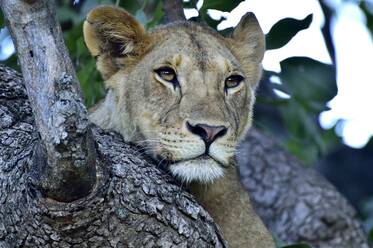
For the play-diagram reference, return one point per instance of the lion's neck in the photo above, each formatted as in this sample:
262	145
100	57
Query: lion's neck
228	203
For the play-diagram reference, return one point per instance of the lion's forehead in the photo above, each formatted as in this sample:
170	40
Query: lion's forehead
203	50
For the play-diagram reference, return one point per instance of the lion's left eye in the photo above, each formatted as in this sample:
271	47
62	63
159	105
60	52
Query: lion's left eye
167	74
233	81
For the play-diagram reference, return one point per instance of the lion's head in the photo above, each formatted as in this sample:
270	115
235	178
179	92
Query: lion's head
181	91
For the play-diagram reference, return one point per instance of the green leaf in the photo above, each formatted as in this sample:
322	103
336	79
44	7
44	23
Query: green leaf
2	22
309	81
65	13
157	17
367	8
211	22
86	6
311	84
206	18
226	32
370	236
192	4
284	30
12	62
130	6
90	82
222	5
280	87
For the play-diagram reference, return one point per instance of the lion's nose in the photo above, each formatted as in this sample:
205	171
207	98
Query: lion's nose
207	133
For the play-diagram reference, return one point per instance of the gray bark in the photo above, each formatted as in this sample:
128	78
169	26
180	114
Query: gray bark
296	203
132	205
65	168
136	204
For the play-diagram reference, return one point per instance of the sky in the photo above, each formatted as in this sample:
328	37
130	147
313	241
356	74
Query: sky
351	110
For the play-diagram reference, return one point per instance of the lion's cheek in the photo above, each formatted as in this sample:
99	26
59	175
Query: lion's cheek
145	123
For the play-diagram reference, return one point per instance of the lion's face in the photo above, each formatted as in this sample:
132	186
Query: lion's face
186	97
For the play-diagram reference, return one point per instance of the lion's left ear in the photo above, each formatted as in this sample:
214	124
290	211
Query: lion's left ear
110	34
247	43
248	38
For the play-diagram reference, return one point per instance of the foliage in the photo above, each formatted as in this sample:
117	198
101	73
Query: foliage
284	30
367	8
367	213
309	83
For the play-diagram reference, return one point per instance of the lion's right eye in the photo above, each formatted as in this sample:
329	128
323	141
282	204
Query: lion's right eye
167	74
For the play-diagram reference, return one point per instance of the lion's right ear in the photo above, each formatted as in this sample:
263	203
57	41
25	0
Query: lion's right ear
114	37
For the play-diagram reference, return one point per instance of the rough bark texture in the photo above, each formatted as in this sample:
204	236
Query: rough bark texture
295	202
65	158
133	204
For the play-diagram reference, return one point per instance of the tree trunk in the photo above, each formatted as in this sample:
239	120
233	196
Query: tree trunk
66	168
296	203
132	205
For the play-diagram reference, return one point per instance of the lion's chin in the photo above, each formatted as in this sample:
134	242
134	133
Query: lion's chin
202	169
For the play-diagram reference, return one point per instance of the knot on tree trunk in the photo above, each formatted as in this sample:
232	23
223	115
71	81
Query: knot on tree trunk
66	112
72	142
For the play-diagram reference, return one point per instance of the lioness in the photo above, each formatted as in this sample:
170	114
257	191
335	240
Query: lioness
185	93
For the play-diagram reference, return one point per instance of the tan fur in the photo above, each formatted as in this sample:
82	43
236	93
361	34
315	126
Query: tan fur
230	207
153	113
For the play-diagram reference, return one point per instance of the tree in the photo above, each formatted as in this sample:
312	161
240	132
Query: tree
65	182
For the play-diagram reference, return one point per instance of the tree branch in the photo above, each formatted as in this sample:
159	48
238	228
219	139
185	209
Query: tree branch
173	11
133	203
64	167
296	203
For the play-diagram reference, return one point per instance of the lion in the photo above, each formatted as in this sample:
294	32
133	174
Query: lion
185	94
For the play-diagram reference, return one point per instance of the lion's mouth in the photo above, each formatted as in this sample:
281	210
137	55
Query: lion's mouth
208	157
199	159
203	168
